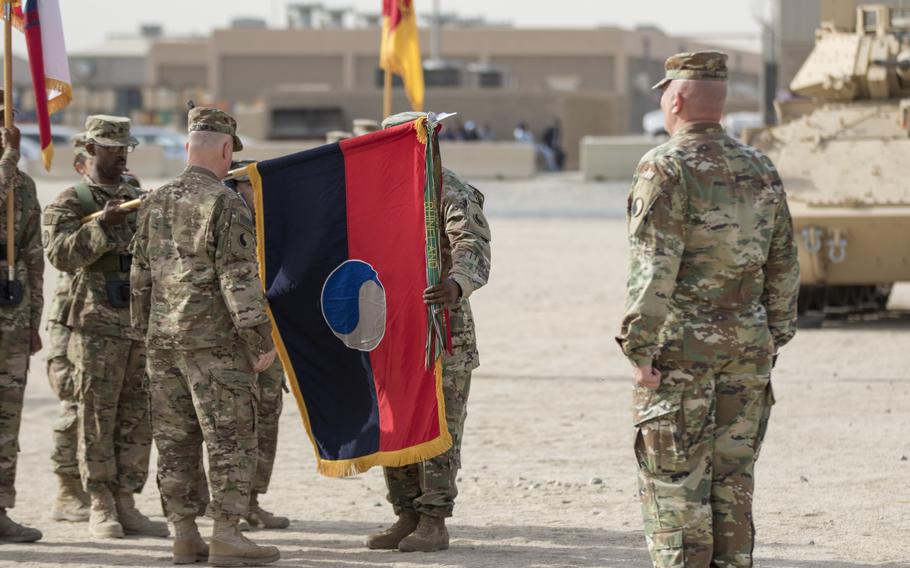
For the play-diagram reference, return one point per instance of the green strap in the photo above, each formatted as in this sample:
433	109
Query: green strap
84	193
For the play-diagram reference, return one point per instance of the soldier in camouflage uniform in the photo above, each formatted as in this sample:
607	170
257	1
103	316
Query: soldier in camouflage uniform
107	354
712	289
20	317
72	502
423	495
199	302
271	383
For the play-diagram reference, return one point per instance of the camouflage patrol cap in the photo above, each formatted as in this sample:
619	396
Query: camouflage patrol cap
401	118
697	66
106	130
79	143
206	119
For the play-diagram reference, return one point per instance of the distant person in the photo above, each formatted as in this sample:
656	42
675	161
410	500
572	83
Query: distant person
454	133
522	134
423	494
486	133
470	131
713	281
552	139
541	151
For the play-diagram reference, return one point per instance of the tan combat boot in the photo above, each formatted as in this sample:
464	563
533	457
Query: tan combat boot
392	536
133	521
431	535
259	517
11	531
230	548
72	503
189	547
102	521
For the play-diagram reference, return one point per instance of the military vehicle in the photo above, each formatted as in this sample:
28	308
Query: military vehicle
843	151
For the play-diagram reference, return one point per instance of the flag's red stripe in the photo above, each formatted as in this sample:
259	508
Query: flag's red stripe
36	64
395	10
386	229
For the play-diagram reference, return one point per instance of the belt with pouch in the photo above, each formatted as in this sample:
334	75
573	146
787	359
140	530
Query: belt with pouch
113	266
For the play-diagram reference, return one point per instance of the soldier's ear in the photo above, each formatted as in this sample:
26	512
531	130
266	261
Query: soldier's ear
679	102
90	148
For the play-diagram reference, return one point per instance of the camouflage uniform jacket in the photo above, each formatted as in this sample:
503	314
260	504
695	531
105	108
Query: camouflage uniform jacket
80	249
194	279
465	259
59	312
29	256
713	273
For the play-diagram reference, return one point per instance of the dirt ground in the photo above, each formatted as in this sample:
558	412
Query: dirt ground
549	475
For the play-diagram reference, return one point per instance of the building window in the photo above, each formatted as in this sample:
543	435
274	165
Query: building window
128	100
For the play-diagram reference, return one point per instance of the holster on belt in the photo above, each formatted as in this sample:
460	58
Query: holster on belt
10	290
114	267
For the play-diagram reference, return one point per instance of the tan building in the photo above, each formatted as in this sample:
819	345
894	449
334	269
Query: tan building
302	83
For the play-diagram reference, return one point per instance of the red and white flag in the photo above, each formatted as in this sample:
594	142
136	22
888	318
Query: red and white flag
42	25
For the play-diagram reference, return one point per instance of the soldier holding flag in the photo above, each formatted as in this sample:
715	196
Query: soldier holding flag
21	301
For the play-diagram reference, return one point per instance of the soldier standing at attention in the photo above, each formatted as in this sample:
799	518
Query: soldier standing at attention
423	495
713	281
72	502
270	383
198	299
21	301
107	354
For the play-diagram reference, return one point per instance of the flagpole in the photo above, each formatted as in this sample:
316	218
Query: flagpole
8	123
387	95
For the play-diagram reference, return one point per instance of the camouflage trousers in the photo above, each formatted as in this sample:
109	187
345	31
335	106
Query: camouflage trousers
698	437
204	396
429	487
114	431
60	377
14	354
270	405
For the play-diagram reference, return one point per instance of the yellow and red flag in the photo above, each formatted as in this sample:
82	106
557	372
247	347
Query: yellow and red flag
400	50
42	25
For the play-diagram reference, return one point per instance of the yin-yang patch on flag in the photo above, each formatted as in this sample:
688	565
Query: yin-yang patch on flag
354	305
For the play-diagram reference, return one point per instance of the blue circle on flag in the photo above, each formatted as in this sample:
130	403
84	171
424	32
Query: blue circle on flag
354	305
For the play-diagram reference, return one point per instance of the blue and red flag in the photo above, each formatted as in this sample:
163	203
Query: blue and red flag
343	249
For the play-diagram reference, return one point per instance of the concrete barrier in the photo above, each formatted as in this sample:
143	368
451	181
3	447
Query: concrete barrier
489	160
613	157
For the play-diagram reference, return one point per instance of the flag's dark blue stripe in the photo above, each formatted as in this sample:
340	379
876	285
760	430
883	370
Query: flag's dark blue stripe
304	208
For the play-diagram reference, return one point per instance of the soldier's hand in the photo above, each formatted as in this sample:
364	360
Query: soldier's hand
10	137
647	376
265	361
446	292
34	342
112	214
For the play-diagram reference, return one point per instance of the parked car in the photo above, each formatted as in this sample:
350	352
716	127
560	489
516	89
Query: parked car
173	142
60	135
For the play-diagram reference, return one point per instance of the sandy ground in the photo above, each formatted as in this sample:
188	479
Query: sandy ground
549	475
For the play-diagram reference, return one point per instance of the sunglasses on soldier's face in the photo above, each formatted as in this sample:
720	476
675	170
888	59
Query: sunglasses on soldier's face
115	149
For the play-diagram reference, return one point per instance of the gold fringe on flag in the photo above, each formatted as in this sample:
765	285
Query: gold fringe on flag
345	468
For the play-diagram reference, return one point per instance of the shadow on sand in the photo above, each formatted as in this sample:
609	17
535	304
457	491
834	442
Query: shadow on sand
339	544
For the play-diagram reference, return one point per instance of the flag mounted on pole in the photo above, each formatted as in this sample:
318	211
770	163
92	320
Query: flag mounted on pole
42	25
345	254
400	49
